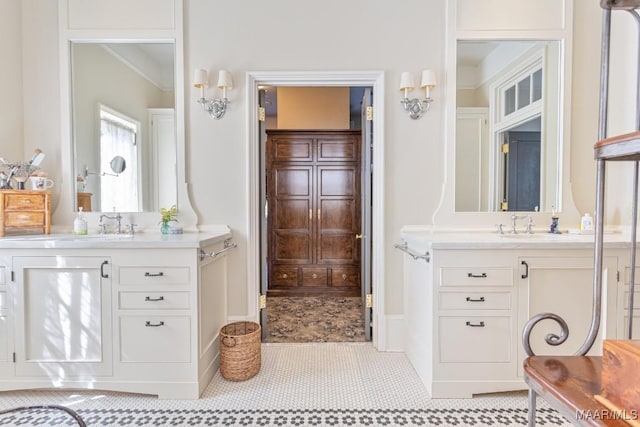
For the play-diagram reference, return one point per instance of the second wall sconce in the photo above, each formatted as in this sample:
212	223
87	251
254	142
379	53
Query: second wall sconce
215	107
416	107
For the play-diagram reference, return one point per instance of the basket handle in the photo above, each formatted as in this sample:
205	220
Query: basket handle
224	341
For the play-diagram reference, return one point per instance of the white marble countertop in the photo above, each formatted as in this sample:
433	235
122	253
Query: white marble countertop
141	240
423	238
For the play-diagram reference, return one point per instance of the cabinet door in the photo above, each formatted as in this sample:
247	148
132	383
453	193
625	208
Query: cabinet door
564	286
63	316
4	316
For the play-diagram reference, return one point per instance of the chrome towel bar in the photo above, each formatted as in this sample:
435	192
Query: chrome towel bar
404	247
227	245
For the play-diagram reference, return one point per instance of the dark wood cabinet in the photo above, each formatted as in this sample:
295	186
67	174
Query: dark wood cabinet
313	191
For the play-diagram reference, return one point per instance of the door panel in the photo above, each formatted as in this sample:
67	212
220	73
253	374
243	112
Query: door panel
294	181
337	182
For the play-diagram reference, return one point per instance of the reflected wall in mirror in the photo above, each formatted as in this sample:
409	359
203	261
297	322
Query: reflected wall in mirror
123	102
508	140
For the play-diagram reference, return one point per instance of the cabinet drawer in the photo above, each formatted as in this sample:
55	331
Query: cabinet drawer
314	277
284	276
23	219
475	300
292	148
155	339
154	275
345	277
331	149
475	339
154	300
23	201
472	276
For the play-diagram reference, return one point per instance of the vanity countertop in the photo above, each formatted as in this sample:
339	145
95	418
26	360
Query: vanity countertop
140	240
480	239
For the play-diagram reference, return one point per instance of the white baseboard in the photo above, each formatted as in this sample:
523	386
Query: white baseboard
393	333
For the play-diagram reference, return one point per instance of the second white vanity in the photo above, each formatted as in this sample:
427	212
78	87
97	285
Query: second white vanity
469	294
113	312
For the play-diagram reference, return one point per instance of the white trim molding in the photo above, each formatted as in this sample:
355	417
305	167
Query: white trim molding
374	79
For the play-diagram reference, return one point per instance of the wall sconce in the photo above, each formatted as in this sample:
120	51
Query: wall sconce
416	107
215	107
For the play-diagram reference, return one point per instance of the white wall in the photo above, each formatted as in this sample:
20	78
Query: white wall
319	35
315	35
11	117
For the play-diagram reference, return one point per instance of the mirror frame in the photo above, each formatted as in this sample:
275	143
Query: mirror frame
64	212
445	216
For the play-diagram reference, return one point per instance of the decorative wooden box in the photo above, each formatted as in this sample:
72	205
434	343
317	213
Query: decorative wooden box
621	378
23	210
84	201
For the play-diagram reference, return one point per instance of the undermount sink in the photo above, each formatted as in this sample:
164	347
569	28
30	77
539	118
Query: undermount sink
69	237
526	236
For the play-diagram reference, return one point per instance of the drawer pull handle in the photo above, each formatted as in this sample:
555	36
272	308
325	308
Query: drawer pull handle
148	324
476	325
102	273
526	269
469	299
344	276
160	298
147	274
314	275
479	276
285	275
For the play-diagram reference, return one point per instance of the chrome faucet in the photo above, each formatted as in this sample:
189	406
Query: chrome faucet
514	219
103	227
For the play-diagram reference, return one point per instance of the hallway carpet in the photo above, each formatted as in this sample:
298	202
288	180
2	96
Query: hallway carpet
334	384
314	319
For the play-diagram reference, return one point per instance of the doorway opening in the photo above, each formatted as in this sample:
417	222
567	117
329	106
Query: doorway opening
375	79
315	150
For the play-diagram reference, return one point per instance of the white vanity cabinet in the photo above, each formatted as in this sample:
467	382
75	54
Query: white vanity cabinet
135	314
462	321
466	308
153	316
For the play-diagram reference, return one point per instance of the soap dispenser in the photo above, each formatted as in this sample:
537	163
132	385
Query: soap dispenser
586	223
79	224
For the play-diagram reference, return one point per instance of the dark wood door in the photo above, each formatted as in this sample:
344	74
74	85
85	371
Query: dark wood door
313	190
523	171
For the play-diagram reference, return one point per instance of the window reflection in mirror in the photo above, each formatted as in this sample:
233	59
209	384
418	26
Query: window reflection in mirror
123	103
507	126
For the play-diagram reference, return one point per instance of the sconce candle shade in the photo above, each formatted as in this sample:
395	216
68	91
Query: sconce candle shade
407	82
224	80
428	79
200	78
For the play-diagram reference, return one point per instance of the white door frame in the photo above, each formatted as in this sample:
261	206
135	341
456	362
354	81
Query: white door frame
374	79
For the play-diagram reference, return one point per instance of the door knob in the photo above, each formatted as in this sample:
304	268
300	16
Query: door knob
359	236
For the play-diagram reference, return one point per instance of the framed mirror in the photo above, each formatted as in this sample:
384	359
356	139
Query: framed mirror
507	133
123	103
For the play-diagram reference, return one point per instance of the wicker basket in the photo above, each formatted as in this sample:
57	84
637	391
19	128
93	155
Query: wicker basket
240	356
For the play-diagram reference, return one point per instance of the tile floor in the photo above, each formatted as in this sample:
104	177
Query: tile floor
299	384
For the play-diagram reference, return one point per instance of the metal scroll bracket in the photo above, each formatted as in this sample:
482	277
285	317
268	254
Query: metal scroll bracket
404	247
226	246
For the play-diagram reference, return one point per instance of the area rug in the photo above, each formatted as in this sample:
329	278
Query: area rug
329	384
314	319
